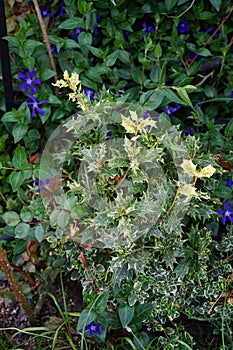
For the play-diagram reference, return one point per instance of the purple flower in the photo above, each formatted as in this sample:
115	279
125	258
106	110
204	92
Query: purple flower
146	115
76	33
212	30
109	134
96	30
28	77
183	26
53	49
62	9
231	94
188	131
45	12
5	283
217	176
42	184
35	105
89	93
229	183
148	29
194	55
227	214
171	110
92	327
125	34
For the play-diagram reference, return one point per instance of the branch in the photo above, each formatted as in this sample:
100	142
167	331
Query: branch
46	39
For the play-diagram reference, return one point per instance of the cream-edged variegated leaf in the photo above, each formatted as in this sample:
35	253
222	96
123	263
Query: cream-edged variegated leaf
188	190
189	167
129	125
208	171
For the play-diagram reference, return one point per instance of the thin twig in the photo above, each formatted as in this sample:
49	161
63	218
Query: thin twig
212	35
205	78
46	40
182	13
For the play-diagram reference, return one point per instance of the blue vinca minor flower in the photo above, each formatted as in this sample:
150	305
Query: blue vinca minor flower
226	214
171	110
93	328
29	80
35	105
183	26
89	93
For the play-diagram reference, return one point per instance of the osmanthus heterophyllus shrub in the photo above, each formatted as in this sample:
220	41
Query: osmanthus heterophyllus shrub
133	194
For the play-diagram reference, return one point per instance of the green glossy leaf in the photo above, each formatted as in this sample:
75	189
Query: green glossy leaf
84	6
9	117
216	4
16	180
204	52
26	214
158	51
20	247
137	74
70	44
111	59
13	41
170	4
31	44
154	101
87	316
98	52
142	312
229	129
29	62
39	233
72	23
184	95
63	219
172	96
85	40
46	74
126	314
22	230
19	160
11	218
205	15
19	132
101	302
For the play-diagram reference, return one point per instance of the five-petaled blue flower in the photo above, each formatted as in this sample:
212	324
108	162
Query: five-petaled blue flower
146	115
53	49
229	183
42	184
210	30
171	110
76	33
96	30
183	26
5	283
89	93
148	29
45	12
62	9
188	131
227	214
29	81
35	105
93	328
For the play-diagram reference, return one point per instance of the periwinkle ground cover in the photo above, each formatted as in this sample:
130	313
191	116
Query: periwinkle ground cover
133	194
